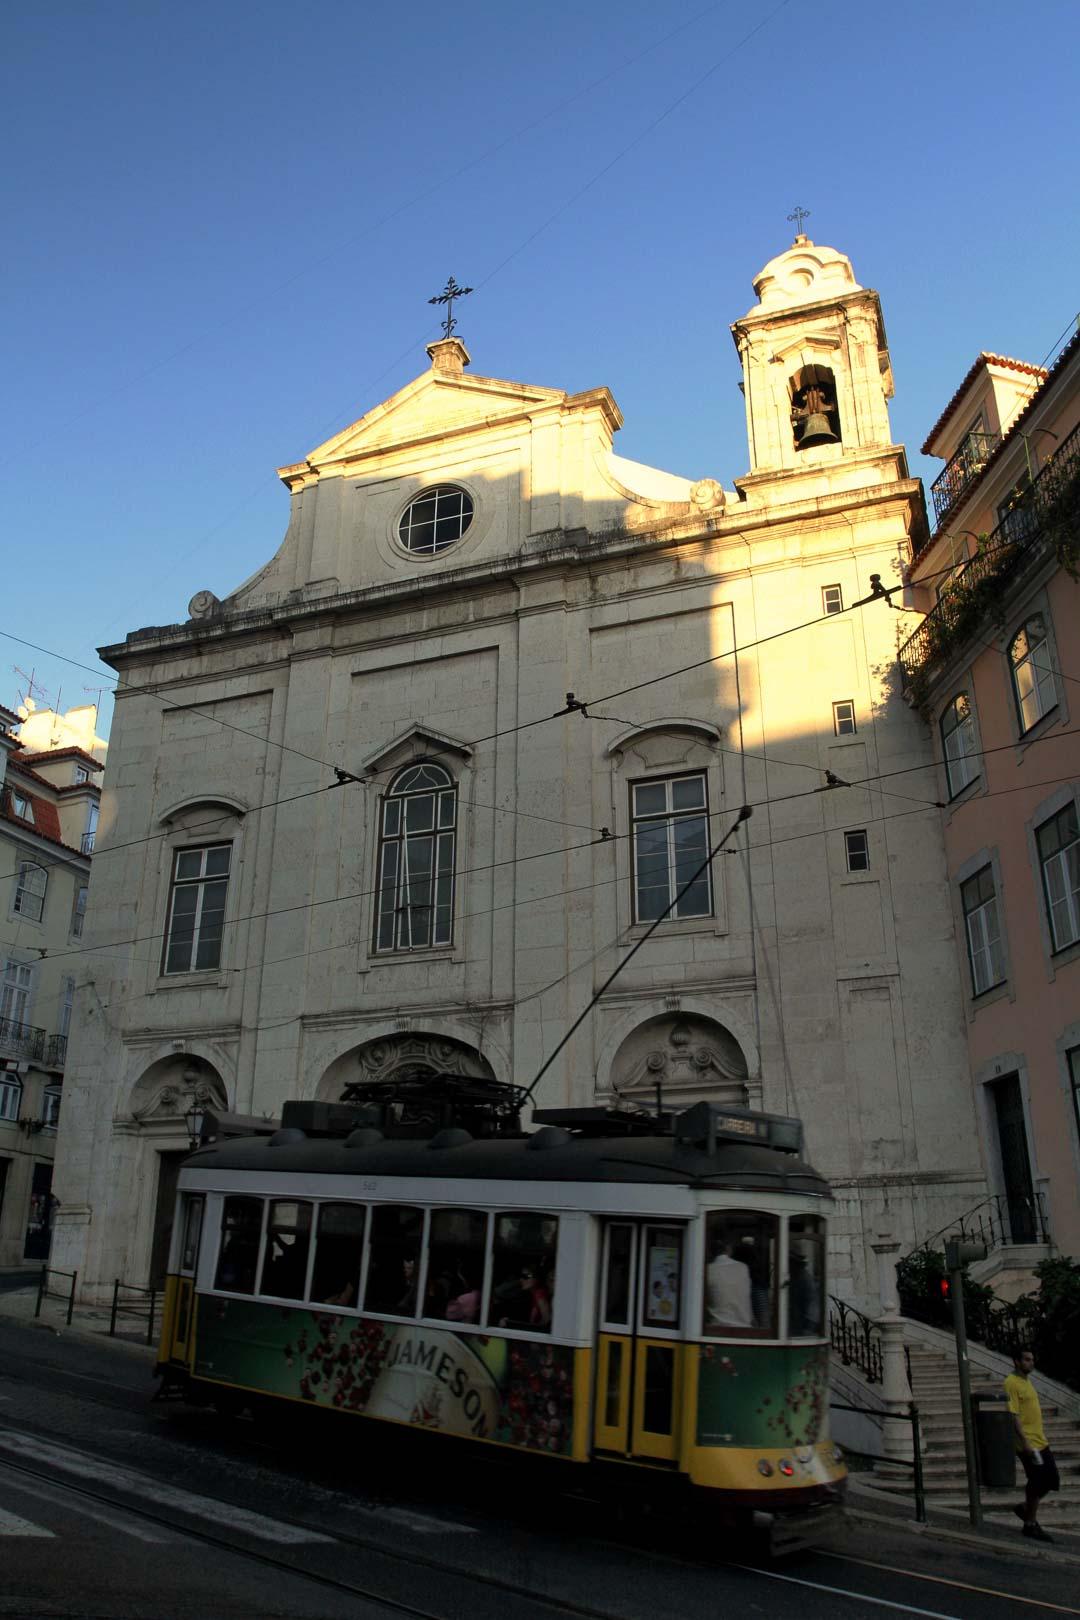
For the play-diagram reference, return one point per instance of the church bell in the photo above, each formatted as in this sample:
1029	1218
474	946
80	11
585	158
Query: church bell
817	431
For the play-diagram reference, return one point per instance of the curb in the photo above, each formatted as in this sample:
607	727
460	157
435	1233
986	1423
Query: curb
963	1535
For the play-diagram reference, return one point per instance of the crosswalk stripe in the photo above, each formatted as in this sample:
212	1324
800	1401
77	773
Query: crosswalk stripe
103	1471
58	1497
12	1525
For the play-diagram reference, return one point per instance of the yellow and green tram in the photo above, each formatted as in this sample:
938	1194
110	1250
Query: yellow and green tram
611	1288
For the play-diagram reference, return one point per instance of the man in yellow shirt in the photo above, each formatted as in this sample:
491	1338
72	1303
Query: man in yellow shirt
1035	1455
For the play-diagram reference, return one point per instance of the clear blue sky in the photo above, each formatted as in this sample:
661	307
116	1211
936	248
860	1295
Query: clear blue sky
223	223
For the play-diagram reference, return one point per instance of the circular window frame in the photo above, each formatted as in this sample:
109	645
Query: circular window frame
426	493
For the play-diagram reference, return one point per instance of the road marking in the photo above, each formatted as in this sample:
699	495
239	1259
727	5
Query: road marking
842	1591
103	1471
60	1497
12	1525
942	1580
420	1522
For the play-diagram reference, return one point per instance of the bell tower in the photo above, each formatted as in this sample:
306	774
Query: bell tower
816	379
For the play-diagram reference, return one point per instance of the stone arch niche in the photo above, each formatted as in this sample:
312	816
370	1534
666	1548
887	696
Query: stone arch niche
692	1059
165	1091
407	1052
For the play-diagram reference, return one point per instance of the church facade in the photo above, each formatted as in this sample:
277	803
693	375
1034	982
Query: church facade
411	793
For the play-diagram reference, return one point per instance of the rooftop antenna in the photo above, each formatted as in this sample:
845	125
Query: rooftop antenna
31	685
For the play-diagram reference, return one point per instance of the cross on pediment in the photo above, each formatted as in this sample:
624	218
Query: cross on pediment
447	296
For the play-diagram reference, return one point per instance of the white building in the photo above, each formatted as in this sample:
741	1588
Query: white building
455	564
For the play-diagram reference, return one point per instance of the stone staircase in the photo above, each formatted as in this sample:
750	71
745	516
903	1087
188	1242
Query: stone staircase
936	1392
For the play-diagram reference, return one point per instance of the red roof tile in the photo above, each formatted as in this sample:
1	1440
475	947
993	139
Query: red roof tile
61	753
984	359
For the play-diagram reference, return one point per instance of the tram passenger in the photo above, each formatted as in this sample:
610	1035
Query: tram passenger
727	1285
406	1305
804	1300
466	1307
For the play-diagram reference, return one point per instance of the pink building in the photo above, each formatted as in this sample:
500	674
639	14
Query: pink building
995	669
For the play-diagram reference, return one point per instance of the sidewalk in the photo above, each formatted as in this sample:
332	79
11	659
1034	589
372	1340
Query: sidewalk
18	1303
868	1504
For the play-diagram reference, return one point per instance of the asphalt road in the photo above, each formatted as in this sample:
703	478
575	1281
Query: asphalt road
112	1506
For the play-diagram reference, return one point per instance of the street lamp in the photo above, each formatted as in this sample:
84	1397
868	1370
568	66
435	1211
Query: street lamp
195	1113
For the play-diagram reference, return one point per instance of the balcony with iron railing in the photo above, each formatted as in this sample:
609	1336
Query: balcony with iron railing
56	1051
961	468
1046	515
21	1040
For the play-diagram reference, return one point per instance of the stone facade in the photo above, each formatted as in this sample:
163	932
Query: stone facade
810	973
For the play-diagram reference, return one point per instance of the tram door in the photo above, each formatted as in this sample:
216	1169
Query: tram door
183	1308
639	1353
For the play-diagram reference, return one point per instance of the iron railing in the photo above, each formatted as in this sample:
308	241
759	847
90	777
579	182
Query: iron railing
966	464
145	1306
56	1051
21	1040
990	1222
46	1289
856	1339
86	843
962	608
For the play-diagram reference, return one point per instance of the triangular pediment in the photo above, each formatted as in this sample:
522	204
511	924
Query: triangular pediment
431	406
419	742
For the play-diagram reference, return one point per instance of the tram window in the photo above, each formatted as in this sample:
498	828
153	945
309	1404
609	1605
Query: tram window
806	1276
241	1228
396	1234
523	1275
285	1258
455	1268
620	1257
663	1267
193	1217
339	1251
740	1274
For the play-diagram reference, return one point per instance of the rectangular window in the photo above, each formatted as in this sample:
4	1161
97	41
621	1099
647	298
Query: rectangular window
15	993
196	917
843	718
288	1239
339	1254
50	1108
1073	1057
10	1098
662	1259
81	774
858	852
832	599
30	889
241	1232
67	1002
393	1268
523	1272
806	1276
78	912
457	1243
670	821
1059	855
983	931
21	806
740	1274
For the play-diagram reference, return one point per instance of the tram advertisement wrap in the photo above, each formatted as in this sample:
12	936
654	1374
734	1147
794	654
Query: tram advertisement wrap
763	1395
516	1392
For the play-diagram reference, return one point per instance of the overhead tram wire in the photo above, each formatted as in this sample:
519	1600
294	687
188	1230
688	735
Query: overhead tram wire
744	815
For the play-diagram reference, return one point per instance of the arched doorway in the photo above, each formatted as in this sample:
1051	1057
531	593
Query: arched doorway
163	1101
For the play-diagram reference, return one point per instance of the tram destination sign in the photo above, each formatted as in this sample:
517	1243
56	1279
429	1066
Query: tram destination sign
706	1124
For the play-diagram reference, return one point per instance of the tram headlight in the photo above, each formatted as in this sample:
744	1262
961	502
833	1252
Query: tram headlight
765	1467
786	1468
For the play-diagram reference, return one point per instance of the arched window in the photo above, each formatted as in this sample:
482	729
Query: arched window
30	889
1032	672
815	414
959	745
415	894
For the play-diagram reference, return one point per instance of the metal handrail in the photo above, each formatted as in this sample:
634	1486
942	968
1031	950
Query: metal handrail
24	1040
989	1219
1018	536
915	1462
961	468
133	1308
44	1291
856	1338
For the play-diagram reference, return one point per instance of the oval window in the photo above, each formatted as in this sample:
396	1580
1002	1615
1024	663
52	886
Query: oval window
437	518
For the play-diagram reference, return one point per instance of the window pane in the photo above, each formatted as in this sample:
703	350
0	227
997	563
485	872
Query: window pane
650	798
523	1276
193	1218
241	1228
189	863
391	818
288	1237
740	1274
688	793
662	1282
658	1404
806	1276
455	1267
339	1252
396	1231
420	813
619	1259
217	860
385	939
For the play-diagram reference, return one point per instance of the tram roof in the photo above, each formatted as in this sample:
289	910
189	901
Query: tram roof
546	1155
